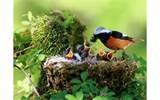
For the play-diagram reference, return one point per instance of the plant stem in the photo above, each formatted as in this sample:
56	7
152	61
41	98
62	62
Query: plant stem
30	80
21	51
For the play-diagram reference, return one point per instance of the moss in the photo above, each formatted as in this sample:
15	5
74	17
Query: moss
54	32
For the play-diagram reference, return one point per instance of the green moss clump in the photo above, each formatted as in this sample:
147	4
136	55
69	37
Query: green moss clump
54	32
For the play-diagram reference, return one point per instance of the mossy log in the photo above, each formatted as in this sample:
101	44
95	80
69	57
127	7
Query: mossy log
116	74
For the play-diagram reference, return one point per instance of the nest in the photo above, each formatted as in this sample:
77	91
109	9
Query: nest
115	74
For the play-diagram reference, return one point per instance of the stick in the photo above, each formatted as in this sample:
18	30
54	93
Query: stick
30	80
18	52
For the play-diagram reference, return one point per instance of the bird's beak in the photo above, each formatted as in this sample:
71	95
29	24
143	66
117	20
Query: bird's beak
69	55
101	52
93	39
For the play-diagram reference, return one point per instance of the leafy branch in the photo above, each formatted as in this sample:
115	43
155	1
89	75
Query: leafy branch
30	80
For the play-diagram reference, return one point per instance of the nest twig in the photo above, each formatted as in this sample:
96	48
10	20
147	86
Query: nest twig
115	74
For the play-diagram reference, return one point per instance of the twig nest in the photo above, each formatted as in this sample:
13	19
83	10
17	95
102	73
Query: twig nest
115	74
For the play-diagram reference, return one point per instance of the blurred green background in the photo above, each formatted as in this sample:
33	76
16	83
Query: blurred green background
128	16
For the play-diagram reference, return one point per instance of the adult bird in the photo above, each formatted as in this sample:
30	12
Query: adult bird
113	40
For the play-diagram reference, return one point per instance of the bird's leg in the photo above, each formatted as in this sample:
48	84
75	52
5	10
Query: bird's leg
114	51
124	54
85	44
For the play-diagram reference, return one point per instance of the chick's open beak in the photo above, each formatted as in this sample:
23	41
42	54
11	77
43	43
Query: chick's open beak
69	55
101	52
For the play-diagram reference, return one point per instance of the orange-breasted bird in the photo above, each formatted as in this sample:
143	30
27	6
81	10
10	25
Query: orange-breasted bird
112	39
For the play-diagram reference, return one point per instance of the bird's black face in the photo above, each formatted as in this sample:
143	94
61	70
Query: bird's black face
103	37
94	38
101	33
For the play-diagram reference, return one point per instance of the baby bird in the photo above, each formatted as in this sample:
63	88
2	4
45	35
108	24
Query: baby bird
68	53
103	55
83	50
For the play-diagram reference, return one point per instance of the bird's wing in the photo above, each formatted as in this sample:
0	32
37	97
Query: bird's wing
117	34
127	38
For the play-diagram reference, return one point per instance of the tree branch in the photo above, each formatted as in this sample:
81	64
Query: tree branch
30	80
21	51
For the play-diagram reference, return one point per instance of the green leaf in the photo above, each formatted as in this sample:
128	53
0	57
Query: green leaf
41	57
19	64
101	98
29	15
58	96
79	95
90	81
85	88
110	93
75	81
25	23
24	98
126	97
93	88
76	87
84	75
70	97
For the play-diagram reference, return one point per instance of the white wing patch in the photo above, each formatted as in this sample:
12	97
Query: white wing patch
125	34
78	57
102	31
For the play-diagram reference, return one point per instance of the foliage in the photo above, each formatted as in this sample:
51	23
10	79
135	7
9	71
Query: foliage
21	40
27	61
87	86
30	64
104	98
58	96
137	88
77	96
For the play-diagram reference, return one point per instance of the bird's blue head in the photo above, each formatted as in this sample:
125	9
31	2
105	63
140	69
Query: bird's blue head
101	33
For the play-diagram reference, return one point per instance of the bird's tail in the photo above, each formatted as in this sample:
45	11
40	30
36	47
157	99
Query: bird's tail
138	40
